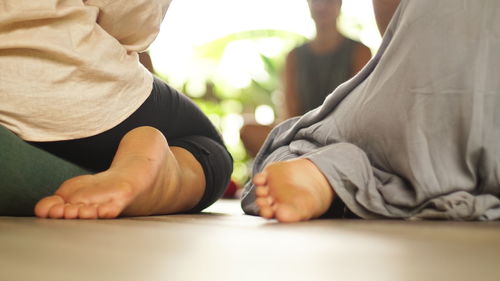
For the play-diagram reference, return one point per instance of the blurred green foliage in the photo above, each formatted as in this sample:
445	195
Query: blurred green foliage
223	102
227	103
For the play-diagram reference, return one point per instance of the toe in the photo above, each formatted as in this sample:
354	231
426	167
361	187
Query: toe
266	213
43	206
260	179
262	191
262	202
71	211
265	207
57	211
108	211
88	212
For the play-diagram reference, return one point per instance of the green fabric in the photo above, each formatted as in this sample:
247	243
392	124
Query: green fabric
28	174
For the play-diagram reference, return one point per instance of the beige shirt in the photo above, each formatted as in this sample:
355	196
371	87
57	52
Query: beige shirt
69	68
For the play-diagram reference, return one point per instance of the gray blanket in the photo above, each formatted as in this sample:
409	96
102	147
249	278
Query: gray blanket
416	134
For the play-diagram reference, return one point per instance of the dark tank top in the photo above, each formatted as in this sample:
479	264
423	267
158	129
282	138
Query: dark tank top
319	75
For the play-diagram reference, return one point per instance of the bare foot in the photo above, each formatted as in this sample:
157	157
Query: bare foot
145	178
292	191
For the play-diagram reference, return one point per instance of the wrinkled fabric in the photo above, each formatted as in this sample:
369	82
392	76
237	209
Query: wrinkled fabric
415	134
63	61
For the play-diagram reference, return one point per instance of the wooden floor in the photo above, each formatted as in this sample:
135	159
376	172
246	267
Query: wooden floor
222	244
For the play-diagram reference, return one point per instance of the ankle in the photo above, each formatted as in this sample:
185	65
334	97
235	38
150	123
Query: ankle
321	189
191	179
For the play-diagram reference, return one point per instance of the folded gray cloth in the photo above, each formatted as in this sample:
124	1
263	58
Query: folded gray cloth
416	134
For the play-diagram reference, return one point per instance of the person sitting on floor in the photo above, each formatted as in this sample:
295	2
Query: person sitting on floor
313	70
413	136
71	85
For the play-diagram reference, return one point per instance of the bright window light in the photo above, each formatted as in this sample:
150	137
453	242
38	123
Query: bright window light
192	23
264	115
231	125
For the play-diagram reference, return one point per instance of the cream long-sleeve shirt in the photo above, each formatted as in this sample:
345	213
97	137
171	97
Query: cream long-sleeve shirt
69	68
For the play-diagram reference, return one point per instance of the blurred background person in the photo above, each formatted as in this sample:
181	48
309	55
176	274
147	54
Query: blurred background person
313	70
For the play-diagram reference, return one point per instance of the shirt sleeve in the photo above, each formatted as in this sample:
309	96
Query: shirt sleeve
135	24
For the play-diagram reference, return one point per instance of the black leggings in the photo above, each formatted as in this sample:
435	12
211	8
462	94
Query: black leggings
182	123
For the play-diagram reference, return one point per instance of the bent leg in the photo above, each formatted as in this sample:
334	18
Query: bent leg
146	177
168	112
216	163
